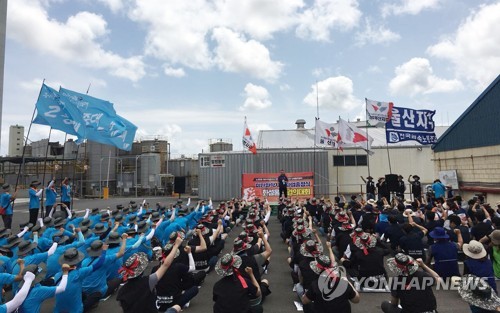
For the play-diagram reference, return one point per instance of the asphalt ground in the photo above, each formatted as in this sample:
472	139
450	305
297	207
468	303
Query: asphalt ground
282	298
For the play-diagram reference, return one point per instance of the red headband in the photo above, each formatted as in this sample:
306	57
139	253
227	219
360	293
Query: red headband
226	267
129	270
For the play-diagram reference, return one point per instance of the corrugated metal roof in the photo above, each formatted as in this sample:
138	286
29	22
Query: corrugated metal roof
304	138
476	127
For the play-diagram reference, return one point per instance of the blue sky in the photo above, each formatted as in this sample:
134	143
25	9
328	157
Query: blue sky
191	70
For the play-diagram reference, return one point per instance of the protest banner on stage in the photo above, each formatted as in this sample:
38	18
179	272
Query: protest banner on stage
265	185
410	124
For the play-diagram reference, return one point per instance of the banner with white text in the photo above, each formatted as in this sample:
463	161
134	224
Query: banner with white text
265	185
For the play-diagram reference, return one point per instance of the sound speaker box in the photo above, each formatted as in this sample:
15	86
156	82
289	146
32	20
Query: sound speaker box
392	182
180	184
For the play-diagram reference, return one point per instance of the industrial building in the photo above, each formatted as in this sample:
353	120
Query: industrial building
471	147
335	172
16	140
94	166
184	170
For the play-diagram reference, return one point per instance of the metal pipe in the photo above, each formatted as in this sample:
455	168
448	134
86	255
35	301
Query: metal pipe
109	165
136	173
100	177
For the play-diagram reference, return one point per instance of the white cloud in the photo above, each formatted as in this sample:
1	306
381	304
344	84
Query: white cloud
374	69
114	5
316	22
416	77
318	72
177	30
169	130
258	18
257	98
236	54
475	47
334	93
256	128
285	87
174	72
412	7
375	35
76	40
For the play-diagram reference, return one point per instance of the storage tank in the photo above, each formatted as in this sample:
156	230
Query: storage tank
220	144
150	170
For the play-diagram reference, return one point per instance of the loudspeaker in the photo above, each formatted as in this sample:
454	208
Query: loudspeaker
392	182
180	184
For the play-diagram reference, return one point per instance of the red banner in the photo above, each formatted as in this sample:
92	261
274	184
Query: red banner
262	185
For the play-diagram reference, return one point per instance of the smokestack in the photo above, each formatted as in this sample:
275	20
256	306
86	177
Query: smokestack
300	123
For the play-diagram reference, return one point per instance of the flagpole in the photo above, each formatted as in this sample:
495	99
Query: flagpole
73	178
243	159
338	154
21	166
387	148
314	152
64	155
315	134
368	140
44	170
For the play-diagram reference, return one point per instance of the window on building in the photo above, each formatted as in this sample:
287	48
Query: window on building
218	162
350	160
205	161
361	160
338	160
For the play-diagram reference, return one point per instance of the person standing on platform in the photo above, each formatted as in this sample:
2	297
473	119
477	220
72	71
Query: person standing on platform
416	187
370	187
34	204
383	189
6	204
282	183
400	193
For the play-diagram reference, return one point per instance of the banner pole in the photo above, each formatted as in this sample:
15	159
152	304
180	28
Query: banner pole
73	178
243	157
338	153
387	148
315	134
42	211
64	156
368	139
21	166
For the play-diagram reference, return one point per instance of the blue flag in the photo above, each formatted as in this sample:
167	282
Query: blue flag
102	124
51	111
409	124
119	133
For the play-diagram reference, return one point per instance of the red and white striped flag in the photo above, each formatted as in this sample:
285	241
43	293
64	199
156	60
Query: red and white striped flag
248	142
